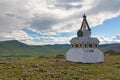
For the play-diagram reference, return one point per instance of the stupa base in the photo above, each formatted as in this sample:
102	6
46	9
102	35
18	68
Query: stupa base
85	55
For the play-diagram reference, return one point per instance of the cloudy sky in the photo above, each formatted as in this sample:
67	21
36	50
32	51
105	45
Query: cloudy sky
38	22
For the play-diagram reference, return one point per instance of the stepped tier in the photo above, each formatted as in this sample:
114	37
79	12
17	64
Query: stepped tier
84	40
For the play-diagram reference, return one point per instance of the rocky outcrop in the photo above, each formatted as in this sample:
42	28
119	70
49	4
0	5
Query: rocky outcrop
60	56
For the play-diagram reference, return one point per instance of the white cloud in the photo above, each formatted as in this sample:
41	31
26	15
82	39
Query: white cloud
18	35
59	14
112	39
51	16
116	38
48	40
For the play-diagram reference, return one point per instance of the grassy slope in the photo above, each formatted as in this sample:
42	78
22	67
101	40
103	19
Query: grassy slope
15	48
115	47
48	68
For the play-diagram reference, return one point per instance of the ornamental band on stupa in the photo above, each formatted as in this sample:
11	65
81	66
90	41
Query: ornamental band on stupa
84	48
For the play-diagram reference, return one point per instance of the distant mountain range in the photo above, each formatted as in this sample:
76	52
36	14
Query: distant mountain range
15	48
115	47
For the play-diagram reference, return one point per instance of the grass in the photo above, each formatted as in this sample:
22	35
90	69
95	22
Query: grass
49	68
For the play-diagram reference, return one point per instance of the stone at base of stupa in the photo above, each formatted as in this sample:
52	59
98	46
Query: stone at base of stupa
84	55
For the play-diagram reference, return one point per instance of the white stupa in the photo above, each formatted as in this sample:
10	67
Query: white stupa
84	48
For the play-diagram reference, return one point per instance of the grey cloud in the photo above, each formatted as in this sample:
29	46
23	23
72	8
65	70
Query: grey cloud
5	23
46	22
117	37
10	15
4	39
68	1
43	22
65	4
105	6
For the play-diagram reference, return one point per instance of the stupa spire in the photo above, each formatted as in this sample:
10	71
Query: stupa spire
85	23
84	16
85	30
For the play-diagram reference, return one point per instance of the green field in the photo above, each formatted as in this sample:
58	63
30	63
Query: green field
49	68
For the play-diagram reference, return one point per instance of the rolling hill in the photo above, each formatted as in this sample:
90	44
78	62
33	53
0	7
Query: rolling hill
16	48
115	47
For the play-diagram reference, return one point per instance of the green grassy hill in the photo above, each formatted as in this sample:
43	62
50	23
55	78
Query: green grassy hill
17	49
115	47
14	48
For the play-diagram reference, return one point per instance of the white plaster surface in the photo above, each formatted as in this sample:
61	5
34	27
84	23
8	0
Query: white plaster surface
85	55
